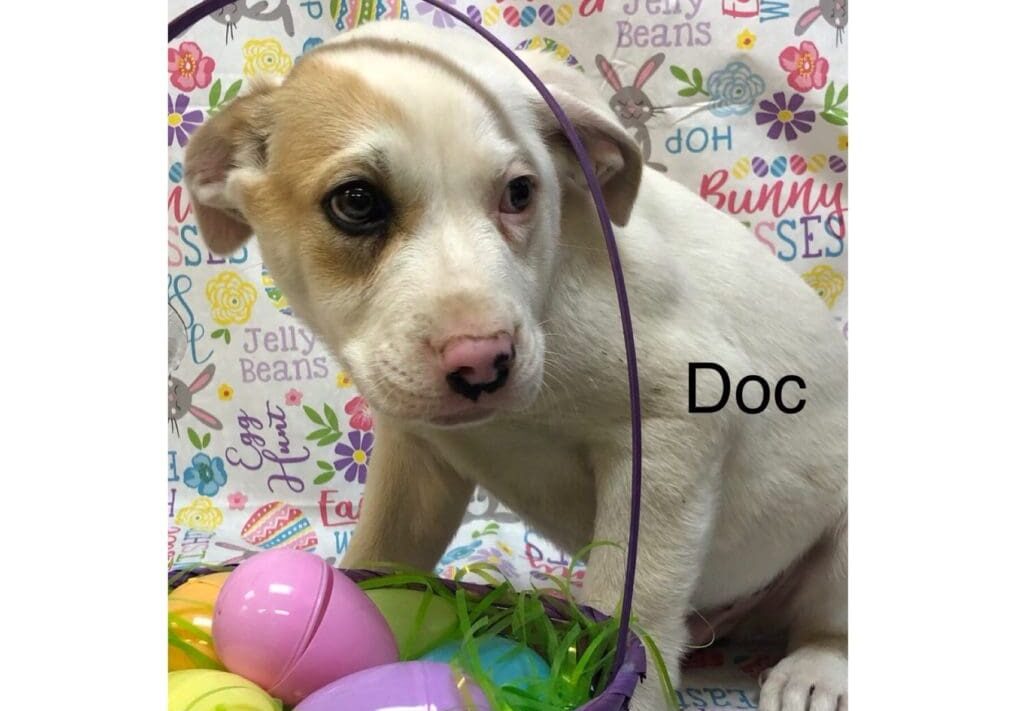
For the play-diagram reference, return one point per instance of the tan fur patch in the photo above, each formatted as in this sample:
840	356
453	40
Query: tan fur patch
317	114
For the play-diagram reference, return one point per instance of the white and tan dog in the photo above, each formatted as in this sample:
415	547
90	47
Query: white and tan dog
415	201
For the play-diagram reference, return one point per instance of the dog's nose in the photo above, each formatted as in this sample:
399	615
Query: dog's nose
477	365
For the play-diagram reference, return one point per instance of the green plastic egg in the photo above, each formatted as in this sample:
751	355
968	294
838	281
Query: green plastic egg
401	607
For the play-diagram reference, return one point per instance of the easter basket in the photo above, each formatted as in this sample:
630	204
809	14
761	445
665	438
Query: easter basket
596	654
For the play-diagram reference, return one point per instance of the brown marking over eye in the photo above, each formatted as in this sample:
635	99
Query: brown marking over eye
318	112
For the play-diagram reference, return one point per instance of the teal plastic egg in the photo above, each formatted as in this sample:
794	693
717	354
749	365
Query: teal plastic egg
507	662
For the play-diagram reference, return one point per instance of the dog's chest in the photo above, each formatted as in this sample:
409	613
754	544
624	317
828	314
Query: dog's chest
535	472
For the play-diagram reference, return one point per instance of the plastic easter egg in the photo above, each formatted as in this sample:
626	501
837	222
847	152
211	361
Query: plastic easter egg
212	690
428	686
491	15
547	14
837	164
400	609
278	524
817	162
759	167
506	661
527	15
473	13
193	604
511	16
564	13
798	164
289	622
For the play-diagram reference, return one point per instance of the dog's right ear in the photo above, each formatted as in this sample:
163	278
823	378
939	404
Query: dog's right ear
222	157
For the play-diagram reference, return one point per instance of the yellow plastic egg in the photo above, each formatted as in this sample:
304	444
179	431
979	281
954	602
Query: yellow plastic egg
213	690
191	607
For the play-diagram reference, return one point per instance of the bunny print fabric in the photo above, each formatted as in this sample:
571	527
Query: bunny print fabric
744	101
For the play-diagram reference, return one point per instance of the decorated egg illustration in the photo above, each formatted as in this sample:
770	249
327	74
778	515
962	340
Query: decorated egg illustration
278	524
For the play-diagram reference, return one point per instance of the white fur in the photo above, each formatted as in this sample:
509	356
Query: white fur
729	500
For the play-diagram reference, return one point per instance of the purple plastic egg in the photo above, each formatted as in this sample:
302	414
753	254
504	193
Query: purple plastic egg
406	685
547	14
291	623
837	164
473	13
759	166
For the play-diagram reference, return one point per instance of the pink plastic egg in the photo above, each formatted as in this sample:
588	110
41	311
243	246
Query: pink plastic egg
430	686
291	623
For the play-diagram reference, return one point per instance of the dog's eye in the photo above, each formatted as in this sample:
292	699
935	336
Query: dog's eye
357	208
517	195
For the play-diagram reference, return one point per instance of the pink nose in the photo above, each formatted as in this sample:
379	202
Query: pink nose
477	365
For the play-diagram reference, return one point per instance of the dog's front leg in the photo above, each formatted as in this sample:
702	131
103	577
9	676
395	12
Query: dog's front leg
813	675
680	481
412	504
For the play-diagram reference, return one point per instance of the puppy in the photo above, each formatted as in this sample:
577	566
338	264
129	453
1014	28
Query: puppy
414	199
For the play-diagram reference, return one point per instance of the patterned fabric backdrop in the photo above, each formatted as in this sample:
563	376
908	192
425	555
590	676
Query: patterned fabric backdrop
745	101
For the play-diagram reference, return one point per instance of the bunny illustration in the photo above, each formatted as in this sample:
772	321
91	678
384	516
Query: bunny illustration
834	12
232	13
181	394
631	104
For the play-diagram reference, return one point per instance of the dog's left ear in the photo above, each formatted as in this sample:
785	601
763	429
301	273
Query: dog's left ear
616	156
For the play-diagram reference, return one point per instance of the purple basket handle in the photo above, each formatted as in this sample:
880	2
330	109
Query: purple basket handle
189	17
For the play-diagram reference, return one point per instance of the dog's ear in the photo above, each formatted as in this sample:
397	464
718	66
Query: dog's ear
225	152
616	156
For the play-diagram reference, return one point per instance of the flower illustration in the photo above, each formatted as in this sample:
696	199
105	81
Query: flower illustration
200	515
841	141
293	397
441	18
355	456
806	69
265	56
206	474
182	123
231	297
189	67
734	89
826	281
459	552
343	380
237	500
746	39
225	392
359	412
784	116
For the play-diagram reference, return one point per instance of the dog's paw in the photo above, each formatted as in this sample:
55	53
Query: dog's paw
809	679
